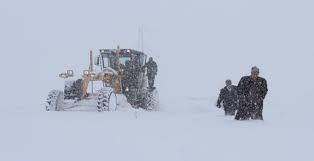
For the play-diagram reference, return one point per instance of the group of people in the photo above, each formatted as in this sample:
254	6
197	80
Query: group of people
245	101
133	69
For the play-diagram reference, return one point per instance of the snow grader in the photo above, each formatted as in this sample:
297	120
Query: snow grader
123	83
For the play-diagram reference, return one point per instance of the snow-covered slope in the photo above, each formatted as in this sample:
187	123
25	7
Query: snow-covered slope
197	45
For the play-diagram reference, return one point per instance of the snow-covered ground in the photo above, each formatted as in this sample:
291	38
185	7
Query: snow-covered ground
184	129
197	45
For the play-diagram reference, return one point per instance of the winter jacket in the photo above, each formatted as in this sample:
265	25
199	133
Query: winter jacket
252	89
152	68
228	95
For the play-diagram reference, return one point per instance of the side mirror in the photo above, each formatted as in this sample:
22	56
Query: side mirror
97	60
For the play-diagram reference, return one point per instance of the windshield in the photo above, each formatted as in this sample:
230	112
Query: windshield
105	61
124	59
109	62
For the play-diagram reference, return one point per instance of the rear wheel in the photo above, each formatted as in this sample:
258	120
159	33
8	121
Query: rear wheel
55	101
107	100
151	99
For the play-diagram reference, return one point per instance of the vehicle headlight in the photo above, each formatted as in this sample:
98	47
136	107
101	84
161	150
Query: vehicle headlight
86	72
70	73
127	89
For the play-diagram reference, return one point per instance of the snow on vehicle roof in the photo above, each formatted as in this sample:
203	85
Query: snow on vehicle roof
122	51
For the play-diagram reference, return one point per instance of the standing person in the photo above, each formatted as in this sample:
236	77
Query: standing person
152	70
252	91
228	95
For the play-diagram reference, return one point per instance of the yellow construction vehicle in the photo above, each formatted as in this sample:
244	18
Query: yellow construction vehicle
123	81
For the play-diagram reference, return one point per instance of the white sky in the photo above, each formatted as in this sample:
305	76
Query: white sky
197	44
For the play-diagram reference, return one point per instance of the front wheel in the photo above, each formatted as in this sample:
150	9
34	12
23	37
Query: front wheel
55	101
107	100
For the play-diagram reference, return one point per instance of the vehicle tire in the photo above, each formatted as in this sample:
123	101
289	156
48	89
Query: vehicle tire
151	100
107	100
55	101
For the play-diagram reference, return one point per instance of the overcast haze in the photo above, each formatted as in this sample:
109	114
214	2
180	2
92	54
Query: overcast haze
197	43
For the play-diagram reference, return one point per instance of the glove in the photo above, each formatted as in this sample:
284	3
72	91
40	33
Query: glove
218	105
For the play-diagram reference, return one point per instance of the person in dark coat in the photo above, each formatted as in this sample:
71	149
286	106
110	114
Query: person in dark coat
228	95
152	70
252	91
